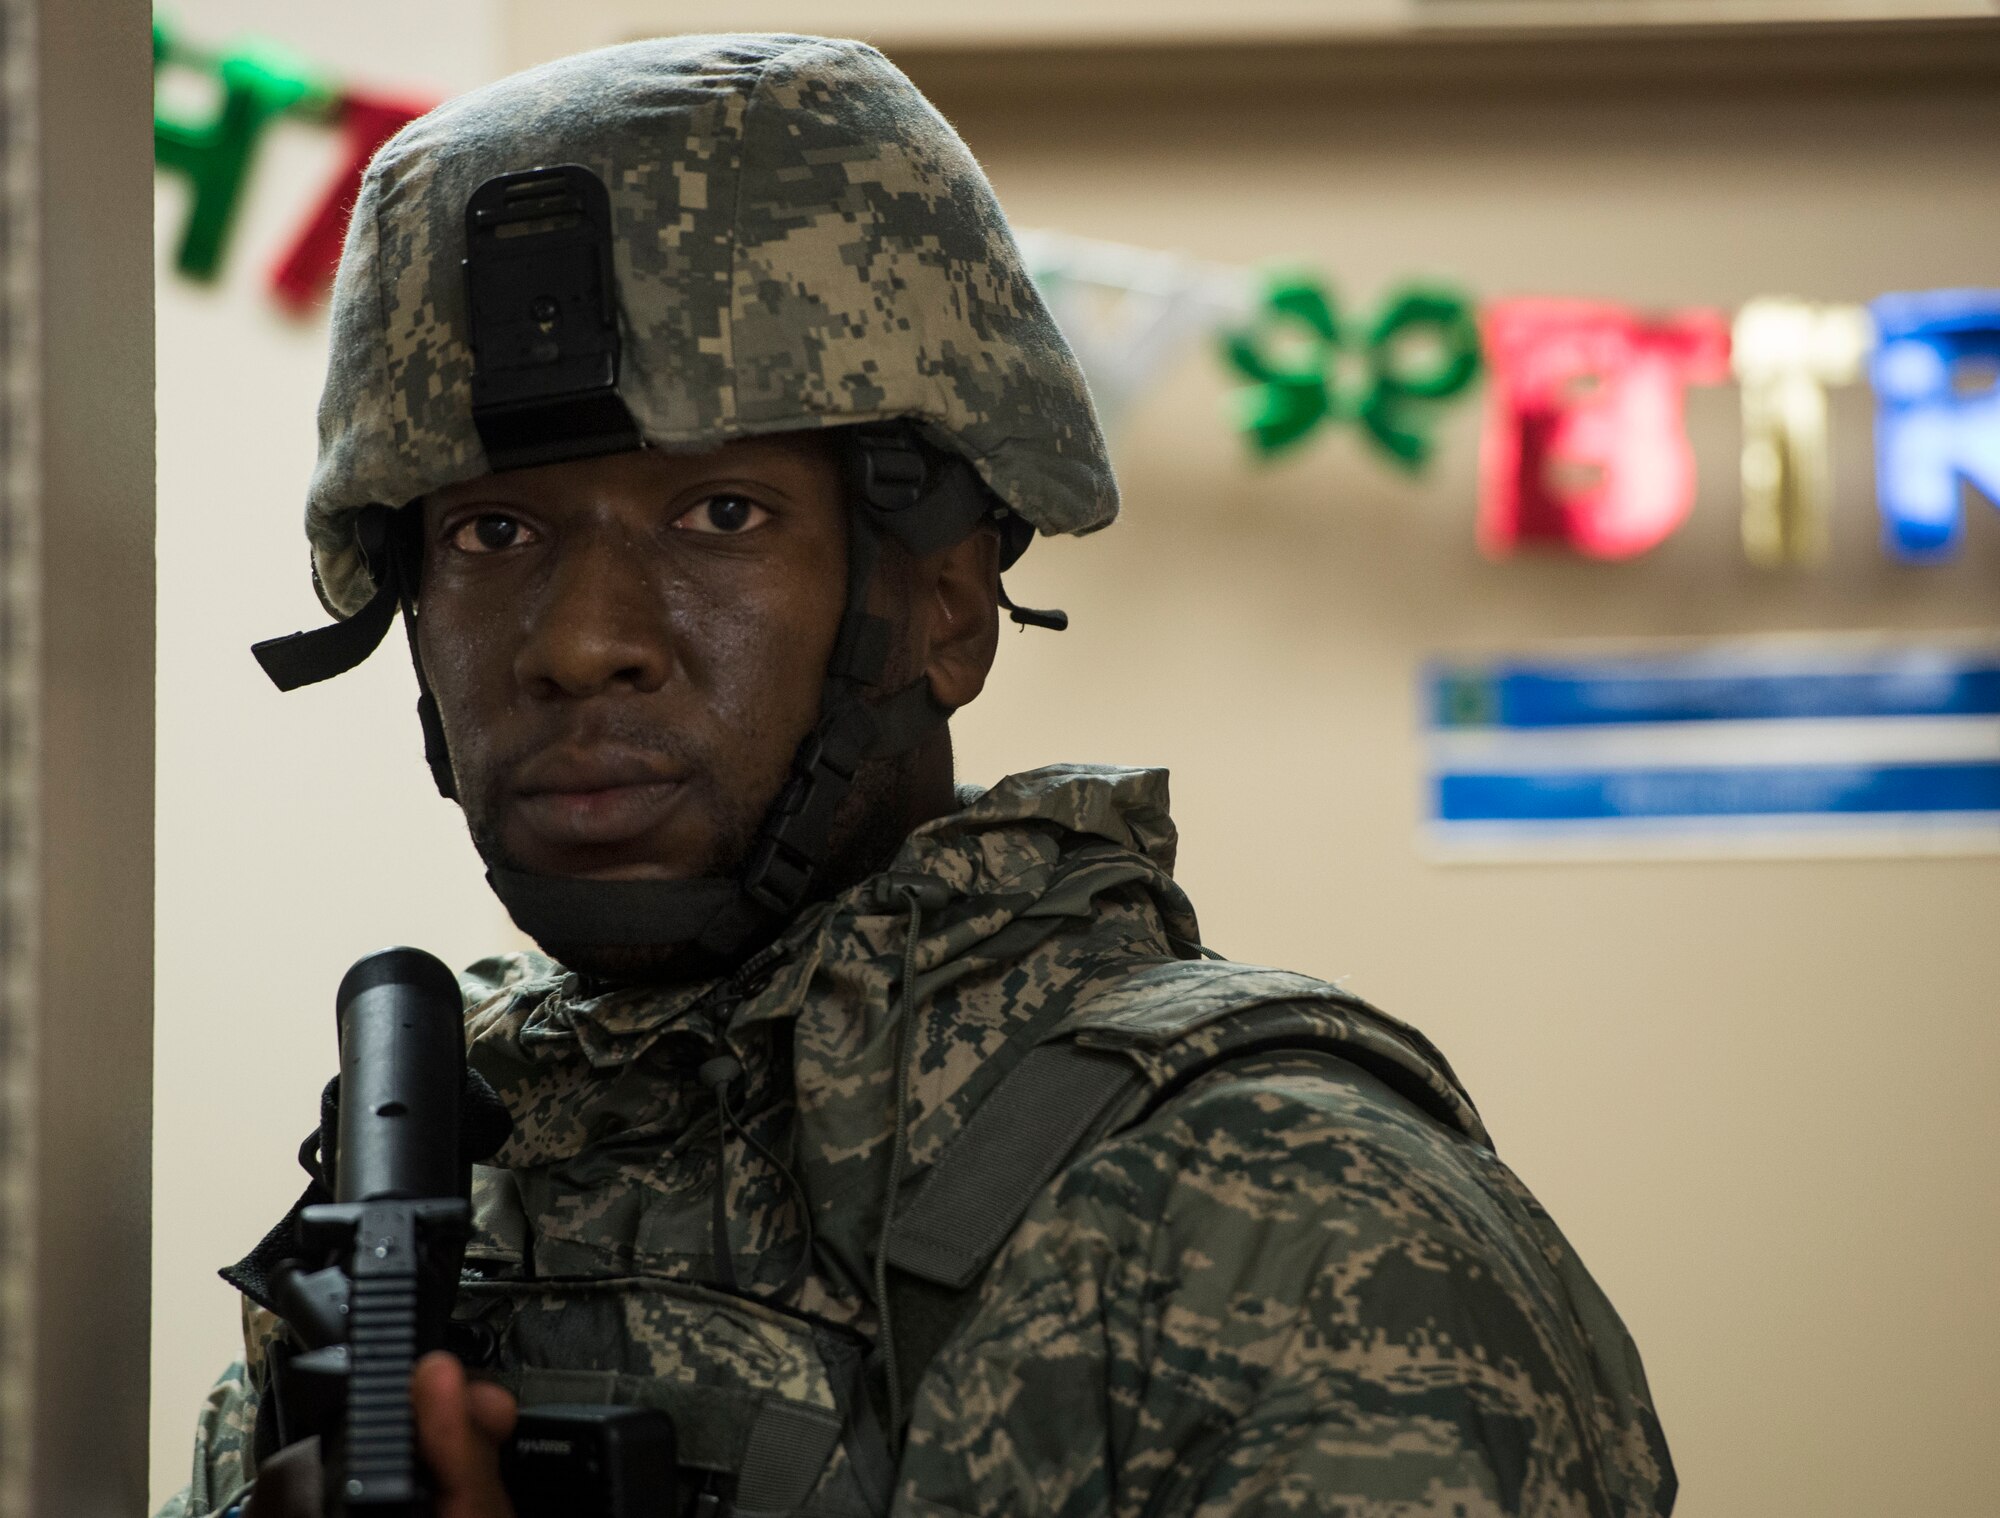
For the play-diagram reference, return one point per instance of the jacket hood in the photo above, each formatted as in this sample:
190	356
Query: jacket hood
1052	882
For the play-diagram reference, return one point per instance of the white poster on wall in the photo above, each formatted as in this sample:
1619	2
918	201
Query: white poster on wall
1773	747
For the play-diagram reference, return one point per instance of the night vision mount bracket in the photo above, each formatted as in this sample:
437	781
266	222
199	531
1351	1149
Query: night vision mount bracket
542	314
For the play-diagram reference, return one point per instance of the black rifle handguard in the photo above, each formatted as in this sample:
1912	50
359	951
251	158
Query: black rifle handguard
395	1230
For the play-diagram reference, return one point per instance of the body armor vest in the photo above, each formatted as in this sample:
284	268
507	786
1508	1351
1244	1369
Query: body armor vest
778	1412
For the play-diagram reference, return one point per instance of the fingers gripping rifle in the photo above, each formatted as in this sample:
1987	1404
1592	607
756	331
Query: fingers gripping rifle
392	1240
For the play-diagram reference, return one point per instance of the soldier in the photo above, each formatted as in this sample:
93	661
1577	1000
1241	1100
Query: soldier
688	399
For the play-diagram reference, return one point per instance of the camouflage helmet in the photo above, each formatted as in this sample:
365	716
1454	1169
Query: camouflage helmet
798	240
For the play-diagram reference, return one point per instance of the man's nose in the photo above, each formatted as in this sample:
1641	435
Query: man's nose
597	622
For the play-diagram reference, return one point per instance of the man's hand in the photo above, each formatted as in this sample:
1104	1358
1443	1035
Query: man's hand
460	1427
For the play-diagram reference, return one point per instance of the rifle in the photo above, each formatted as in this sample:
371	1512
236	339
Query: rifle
391	1244
392	1238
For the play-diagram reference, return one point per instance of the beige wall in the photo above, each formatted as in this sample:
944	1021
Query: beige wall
1756	1095
537	29
296	833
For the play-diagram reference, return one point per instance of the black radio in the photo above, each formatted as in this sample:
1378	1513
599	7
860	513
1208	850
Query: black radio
591	1462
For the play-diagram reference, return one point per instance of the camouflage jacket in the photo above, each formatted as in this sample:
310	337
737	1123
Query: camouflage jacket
1268	1279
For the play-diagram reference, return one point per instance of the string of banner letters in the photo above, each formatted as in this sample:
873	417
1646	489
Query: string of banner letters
1583	445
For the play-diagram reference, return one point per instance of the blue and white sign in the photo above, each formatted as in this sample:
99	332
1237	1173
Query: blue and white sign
1779	747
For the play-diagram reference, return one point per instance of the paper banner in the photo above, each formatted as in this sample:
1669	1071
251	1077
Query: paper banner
1421	349
1585	441
1785	353
215	155
1937	420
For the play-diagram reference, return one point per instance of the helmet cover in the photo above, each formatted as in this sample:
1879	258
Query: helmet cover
799	240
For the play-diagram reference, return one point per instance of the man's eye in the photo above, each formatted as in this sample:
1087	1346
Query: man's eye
489	532
724	514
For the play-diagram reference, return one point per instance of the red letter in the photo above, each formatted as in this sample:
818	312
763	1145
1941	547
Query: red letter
1585	443
304	273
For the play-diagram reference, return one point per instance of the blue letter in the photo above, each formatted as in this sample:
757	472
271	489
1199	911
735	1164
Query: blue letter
1938	419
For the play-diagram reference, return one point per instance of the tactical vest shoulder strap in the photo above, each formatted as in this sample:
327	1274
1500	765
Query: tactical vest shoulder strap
934	1281
1045	1109
1010	1149
1116	1060
1178	1018
1059	1094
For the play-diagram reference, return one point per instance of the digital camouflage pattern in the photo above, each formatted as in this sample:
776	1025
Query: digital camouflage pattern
1300	1285
1288	1294
224	1434
222	1440
799	240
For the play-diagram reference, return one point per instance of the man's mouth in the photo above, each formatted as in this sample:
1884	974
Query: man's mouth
572	800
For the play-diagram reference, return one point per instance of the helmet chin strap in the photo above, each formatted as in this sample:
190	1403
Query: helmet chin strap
725	917
898	487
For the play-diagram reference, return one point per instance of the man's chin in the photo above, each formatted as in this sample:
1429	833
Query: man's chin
870	826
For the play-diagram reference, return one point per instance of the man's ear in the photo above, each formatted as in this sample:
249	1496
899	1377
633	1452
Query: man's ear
956	616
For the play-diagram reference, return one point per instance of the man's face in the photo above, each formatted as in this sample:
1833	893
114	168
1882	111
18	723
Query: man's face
627	650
